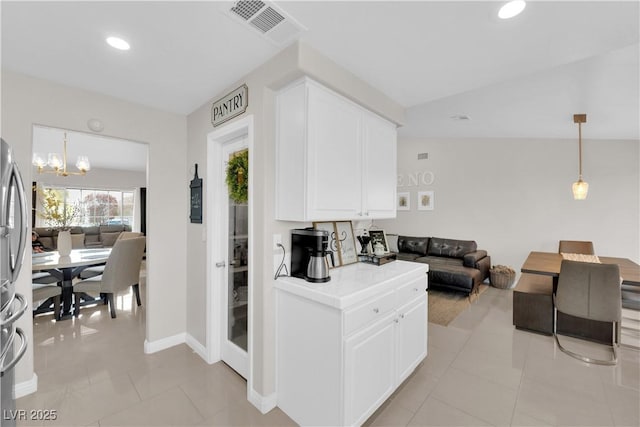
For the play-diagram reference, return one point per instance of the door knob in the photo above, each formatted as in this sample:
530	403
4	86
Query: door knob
221	264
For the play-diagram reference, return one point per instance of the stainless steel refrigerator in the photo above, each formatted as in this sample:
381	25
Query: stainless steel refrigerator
13	238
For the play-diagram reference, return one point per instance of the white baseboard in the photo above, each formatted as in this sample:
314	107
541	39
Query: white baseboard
26	387
197	347
164	343
263	403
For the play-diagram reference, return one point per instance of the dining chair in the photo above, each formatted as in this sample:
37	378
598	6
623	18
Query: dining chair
590	291
42	292
576	247
97	270
121	271
43	278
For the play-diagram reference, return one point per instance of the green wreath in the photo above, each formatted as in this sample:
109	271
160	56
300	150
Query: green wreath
238	177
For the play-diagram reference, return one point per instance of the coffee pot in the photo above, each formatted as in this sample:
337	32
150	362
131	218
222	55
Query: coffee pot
309	250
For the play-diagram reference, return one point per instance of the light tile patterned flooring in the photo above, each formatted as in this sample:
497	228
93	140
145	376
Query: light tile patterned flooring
480	371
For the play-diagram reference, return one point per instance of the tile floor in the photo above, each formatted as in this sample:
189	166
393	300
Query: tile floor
480	371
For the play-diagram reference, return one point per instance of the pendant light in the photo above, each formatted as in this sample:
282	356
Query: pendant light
580	188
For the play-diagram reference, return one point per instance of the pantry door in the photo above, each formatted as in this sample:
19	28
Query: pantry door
234	228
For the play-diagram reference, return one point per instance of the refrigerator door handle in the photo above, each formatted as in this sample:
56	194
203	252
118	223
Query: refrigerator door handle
23	307
18	356
19	189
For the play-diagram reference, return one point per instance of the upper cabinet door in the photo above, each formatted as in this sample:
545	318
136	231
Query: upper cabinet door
380	167
334	161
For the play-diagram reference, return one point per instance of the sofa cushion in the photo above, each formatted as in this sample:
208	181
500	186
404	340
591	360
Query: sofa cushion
109	239
451	248
405	256
77	241
437	261
455	277
414	245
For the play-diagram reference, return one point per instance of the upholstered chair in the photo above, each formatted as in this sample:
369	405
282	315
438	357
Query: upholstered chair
576	247
121	271
42	292
591	291
97	270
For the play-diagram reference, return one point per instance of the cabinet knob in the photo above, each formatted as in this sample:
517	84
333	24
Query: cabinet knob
396	320
415	289
402	315
376	310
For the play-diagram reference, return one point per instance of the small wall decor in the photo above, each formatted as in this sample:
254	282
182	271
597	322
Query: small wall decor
425	200
404	202
238	176
229	106
196	198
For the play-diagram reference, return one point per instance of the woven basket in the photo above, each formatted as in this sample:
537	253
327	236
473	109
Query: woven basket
502	280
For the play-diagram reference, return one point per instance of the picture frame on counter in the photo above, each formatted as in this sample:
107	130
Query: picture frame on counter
425	200
378	236
404	201
341	241
347	243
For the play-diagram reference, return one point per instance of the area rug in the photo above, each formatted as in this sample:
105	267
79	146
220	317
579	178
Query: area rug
444	306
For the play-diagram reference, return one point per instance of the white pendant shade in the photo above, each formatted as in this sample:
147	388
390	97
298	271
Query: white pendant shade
580	189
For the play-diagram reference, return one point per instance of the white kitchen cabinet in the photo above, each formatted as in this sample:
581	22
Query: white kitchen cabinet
334	159
343	347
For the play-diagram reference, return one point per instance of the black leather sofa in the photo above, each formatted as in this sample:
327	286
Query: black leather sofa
453	264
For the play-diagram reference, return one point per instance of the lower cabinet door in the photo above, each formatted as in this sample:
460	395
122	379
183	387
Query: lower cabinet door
411	336
369	370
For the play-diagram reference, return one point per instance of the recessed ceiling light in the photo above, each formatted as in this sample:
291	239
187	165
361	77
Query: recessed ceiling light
460	117
118	43
511	9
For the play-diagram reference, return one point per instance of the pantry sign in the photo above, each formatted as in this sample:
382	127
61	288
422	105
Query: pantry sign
229	106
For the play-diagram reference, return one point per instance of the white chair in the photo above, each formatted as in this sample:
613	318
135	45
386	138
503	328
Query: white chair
97	270
121	271
42	292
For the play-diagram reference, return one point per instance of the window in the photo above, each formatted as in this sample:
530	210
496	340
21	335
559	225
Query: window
90	206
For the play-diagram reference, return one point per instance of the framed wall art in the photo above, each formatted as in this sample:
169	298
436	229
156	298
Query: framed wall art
425	200
195	204
404	202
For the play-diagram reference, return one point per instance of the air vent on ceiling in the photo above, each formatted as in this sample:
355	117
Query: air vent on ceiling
268	19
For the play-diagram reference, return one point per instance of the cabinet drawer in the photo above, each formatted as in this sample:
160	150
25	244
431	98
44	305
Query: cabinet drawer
368	312
409	291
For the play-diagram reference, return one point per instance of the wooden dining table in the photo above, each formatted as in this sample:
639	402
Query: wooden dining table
548	264
66	268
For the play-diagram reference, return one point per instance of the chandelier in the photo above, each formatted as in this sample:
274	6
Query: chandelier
580	188
58	164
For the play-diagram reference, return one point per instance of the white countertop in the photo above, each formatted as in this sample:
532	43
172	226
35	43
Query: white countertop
352	283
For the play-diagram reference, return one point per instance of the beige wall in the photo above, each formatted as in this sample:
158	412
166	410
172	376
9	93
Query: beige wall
263	83
514	196
27	101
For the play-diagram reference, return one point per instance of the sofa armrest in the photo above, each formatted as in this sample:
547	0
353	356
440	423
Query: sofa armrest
472	258
484	265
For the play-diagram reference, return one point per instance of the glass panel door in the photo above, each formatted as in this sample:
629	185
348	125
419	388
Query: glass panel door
235	234
238	277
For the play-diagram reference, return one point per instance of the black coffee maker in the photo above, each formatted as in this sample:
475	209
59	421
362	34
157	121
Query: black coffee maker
309	248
